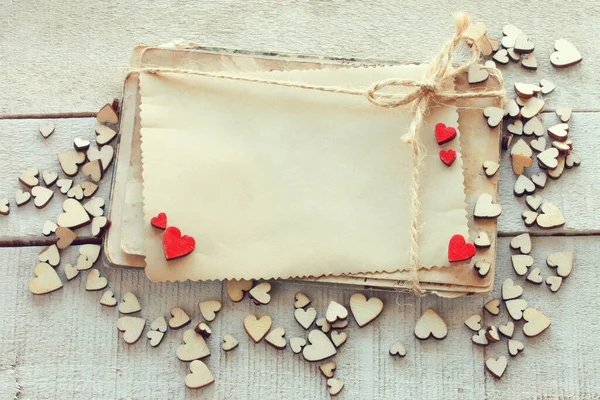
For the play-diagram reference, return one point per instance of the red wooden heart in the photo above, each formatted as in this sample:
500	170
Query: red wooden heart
443	133
176	245
448	156
160	221
458	250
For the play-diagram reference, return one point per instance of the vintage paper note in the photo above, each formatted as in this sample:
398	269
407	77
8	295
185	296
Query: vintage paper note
277	182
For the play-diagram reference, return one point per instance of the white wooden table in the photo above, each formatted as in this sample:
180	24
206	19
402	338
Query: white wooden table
67	57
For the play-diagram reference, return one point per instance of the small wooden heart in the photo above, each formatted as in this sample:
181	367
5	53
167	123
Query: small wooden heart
305	317
108	298
95	281
473	322
160	221
65	237
297	344
29	177
511	33
492	306
323	324
129	304
276	338
5	207
320	347
133	327
512	109
105	155
41	196
507	330
497	366
539	179
501	56
521	148
159	324
46	128
257	328
566	54
448	156
547	86
559	132
564	113
443	133
430	324
531	107
70	160
46	280
179	318
534	127
301	300
64	185
480	338
203	329
398	349
50	255
335	386
510	290
104	135
523	185
74	215
486	208
554	282
536	322
492	334
534	202
230	342
71	272
340	324
209	309
550	216
88	255
177	246
515	308
107	114
572	160
516	128
155	337
482	267
459	250
535	276
193	348
482	240
260	293
363	310
477	74
335	311
526	90
93	169
529	62
515	347
338	338
89	188
522	243
76	192
99	224
199	376
21	197
494	115
81	144
562	261
328	368
237	288
521	262
547	159
490	168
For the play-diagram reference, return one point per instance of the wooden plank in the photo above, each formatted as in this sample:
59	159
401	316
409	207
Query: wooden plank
561	362
24	147
574	192
83	65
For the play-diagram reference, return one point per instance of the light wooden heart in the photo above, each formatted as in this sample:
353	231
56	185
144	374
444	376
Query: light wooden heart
104	135
179	318
93	169
535	322
46	128
554	282
566	54
521	148
516	128
559	132
230	342
492	306
76	192
65	237
64	185
547	159
511	33
105	155
515	308
507	330
129	304
430	324
193	348
547	86
531	107
482	240
477	74
473	322
535	276
496	366
338	338
70	160
562	261
132	328
108	298
81	144
49	228
398	349
486	208
480	338
328	368
107	114
492	334
494	116
550	216
340	324
257	328
539	179
482	267
21	197
89	188
155	337
260	293
29	177
513	55
74	215
237	288
564	113
305	317
159	324
526	90
88	255
98	225
534	202
297	344
515	347
50	255
71	272
523	185
510	290
203	330
46	280
276	338
323	324
501	56
522	243
363	310
301	300
519	163
511	108
534	127
490	168
5	207
95	281
199	376
572	160
562	147
320	347
335	311
335	386
521	262
209	309
490	64
529	62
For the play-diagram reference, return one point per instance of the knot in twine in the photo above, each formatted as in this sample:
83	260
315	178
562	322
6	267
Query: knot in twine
432	89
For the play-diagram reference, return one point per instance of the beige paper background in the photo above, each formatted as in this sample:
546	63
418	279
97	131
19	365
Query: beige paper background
284	182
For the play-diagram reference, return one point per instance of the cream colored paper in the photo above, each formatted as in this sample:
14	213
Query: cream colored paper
283	182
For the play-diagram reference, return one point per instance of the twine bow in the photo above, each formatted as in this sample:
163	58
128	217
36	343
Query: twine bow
426	92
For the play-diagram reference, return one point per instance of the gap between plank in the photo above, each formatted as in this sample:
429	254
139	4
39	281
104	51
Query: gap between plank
49	115
36	241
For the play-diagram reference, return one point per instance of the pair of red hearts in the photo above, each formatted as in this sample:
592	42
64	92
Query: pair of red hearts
174	245
444	134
